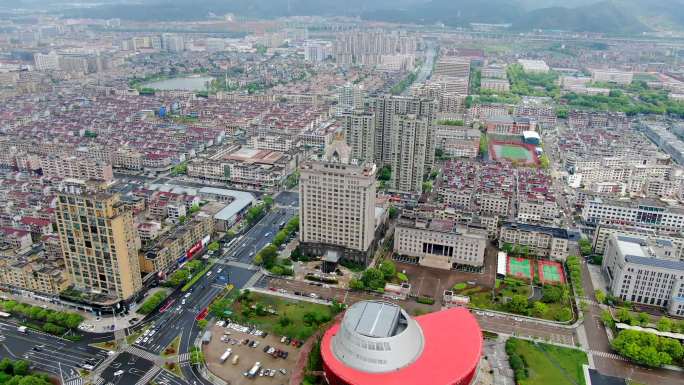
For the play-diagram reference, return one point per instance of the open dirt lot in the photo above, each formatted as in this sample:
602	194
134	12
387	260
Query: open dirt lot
233	374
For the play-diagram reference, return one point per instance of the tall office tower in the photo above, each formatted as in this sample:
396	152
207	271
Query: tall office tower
349	97
337	206
359	131
408	154
100	245
386	108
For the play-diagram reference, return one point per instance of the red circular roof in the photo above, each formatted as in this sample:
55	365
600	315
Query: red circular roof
453	345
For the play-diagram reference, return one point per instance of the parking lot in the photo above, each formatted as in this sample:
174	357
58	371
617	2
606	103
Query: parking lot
248	356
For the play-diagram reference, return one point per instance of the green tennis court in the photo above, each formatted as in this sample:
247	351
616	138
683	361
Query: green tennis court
551	272
519	268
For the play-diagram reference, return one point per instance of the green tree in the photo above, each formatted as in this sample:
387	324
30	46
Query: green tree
258	259
551	294
21	367
565	314
585	246
7	365
182	219
388	268
600	296
214	246
607	319
356	284
269	255
427	187
385	173
664	324
393	212
518	304
623	315
9	306
373	278
268	200
540	308
644	319
280	238
202	324
647	348
277	270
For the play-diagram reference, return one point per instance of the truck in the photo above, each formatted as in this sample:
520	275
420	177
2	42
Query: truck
255	369
225	355
22	329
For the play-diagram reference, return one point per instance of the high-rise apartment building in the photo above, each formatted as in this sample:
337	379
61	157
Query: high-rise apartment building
409	151
337	206
387	109
359	131
172	43
100	245
452	66
349	98
45	62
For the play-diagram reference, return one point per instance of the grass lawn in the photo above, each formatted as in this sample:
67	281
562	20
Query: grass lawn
172	348
174	368
550	364
289	319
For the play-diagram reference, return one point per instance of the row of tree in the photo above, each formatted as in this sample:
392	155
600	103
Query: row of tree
18	373
182	275
153	302
55	322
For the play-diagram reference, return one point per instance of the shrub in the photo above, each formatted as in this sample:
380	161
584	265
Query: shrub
426	300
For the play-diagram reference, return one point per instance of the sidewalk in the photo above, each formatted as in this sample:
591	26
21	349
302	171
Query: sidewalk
92	323
104	324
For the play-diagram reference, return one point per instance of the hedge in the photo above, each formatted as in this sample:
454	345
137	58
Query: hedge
153	302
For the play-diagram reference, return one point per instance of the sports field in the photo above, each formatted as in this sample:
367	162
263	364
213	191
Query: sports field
519	268
512	151
550	272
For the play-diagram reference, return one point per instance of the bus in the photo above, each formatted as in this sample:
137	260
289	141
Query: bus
225	355
4	315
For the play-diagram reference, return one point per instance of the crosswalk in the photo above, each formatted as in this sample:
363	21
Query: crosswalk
184	357
141	353
612	356
148	376
97	380
75	381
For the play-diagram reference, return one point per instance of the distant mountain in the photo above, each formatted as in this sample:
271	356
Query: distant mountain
612	16
199	9
605	16
453	12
